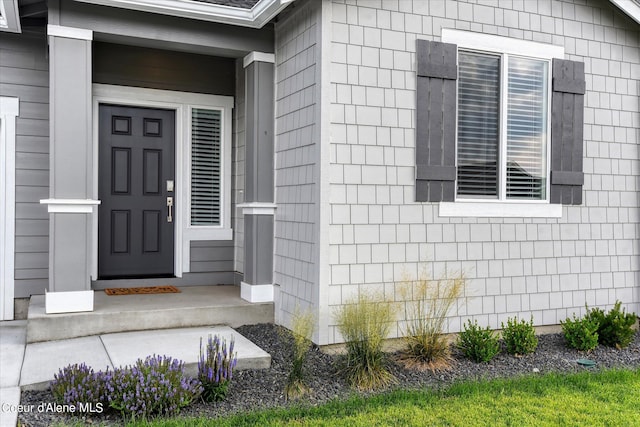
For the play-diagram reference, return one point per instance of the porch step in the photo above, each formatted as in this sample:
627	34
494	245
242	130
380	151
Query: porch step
193	306
42	360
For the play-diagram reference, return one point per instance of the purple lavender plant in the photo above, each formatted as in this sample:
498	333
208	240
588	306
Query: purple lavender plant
215	367
80	386
154	386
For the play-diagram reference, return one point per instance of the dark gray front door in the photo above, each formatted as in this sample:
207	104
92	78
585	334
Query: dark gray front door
136	162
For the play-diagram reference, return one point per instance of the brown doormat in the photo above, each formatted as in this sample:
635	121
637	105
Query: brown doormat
142	290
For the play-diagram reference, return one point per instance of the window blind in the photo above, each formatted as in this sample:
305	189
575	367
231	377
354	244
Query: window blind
205	166
526	129
478	124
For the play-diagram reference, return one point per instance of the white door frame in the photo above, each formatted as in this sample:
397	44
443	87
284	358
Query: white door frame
9	110
181	103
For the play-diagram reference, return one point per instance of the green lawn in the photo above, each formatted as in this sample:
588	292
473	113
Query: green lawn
589	398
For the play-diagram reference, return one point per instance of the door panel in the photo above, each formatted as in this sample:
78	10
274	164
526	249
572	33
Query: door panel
136	159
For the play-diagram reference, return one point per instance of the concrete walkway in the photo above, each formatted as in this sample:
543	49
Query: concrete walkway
31	366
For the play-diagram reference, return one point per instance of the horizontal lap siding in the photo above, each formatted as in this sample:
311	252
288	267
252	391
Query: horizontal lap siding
24	74
212	256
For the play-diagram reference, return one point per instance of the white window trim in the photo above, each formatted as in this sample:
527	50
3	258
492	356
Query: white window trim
9	110
211	232
502	207
499	209
181	103
10	16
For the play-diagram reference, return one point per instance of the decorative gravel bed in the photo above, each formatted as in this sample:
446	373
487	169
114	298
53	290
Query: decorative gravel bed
254	389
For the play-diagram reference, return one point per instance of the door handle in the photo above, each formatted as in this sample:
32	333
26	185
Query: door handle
170	208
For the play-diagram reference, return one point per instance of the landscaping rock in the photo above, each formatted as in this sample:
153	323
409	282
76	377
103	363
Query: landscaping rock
254	389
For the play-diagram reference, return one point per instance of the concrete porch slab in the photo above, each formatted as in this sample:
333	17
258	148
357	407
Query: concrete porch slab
194	306
43	360
13	337
184	344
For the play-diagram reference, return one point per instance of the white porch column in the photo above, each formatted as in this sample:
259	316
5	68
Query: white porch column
259	207
70	205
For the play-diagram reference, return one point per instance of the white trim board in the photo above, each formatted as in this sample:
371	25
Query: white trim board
68	302
256	293
181	103
9	110
501	44
70	205
629	7
483	209
10	16
257	208
258	56
69	32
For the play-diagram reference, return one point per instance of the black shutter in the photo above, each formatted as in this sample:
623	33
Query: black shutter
567	122
436	121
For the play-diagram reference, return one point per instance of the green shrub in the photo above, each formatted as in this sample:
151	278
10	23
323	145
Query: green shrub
428	304
215	368
364	323
478	344
301	328
614	328
519	337
581	334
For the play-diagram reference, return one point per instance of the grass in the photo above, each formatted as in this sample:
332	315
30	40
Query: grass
588	398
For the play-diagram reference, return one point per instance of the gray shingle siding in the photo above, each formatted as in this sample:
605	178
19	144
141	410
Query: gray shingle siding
546	268
296	162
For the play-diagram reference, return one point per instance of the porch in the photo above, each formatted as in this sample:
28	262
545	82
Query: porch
194	306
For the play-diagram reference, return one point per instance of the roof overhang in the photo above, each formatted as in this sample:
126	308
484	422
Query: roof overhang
630	7
9	16
256	17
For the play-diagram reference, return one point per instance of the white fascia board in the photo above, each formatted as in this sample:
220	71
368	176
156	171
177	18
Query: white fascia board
10	16
256	17
629	7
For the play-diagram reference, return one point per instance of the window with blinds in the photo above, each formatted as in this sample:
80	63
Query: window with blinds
526	129
496	161
206	182
478	124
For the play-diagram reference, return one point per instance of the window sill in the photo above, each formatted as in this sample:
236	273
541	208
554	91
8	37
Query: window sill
483	209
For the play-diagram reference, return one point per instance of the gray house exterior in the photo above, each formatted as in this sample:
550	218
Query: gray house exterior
309	151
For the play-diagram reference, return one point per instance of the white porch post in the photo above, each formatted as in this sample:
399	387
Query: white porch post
70	185
259	207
